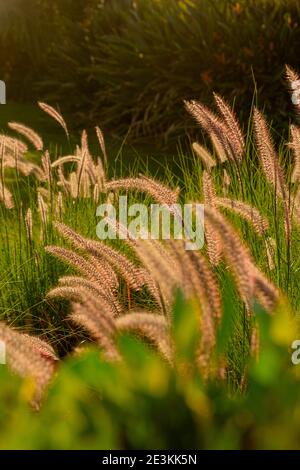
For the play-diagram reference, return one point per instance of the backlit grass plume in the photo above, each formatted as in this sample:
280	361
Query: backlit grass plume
131	285
29	357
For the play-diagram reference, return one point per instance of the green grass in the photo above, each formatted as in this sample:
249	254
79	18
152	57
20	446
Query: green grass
28	273
216	415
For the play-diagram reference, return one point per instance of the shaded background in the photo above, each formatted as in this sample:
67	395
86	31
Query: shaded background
128	65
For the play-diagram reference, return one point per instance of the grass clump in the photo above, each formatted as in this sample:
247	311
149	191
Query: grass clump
219	318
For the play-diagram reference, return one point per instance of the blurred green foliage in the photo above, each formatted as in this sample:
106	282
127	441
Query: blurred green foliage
143	403
131	66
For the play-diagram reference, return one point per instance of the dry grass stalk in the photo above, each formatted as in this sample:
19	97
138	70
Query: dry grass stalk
221	136
13	145
213	127
47	169
85	152
43	192
296	207
95	268
83	265
250	281
214	246
150	325
44	348
28	225
43	210
268	156
164	274
291	74
55	115
234	133
59	206
102	143
29	133
62	182
203	287
270	249
21	165
271	166
67	159
95	289
143	275
81	173
106	271
99	324
96	193
295	145
206	287
205	156
29	357
100	174
73	185
82	291
6	197
160	193
219	147
251	214
255	343
226	183
265	291
88	177
132	274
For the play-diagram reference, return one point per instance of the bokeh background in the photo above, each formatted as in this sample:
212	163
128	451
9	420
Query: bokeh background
129	64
